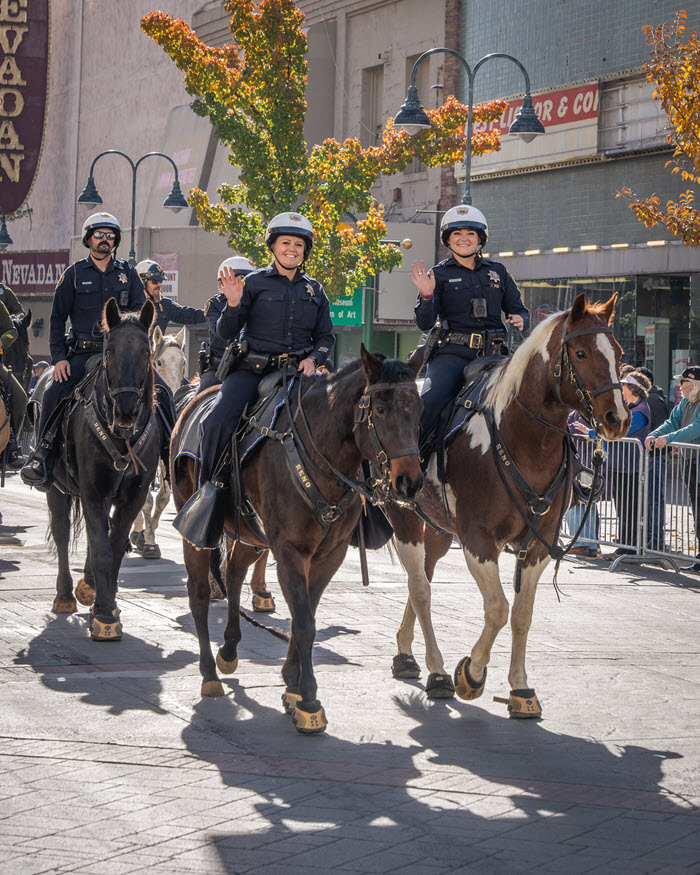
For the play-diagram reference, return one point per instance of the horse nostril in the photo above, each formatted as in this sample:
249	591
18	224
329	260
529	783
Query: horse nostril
612	419
408	487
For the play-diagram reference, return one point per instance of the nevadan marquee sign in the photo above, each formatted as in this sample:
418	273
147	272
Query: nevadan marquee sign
24	66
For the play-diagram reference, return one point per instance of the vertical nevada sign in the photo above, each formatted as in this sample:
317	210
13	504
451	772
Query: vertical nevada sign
24	67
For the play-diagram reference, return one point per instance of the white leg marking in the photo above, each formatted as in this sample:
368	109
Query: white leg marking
520	619
495	611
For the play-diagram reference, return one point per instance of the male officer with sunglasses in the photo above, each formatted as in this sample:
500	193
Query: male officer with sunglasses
81	294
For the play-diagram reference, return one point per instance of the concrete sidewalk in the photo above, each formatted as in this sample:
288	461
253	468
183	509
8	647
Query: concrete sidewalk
111	762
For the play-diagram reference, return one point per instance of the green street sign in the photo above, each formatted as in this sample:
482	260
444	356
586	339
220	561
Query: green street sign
347	311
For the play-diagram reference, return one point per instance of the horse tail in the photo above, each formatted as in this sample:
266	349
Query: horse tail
77	525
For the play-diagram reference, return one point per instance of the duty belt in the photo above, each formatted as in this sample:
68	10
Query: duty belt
262	361
475	340
78	345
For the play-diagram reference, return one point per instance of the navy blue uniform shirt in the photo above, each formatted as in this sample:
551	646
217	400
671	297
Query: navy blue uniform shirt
457	286
214	307
168	311
81	294
280	315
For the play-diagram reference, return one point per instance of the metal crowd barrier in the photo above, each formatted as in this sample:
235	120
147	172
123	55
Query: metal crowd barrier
648	509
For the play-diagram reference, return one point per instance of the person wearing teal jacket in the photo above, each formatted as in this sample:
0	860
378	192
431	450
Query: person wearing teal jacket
683	427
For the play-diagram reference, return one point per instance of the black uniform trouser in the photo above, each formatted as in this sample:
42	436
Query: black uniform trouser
57	391
237	390
443	380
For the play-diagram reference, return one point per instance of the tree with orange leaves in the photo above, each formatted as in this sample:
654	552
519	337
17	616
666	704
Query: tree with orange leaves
253	91
674	69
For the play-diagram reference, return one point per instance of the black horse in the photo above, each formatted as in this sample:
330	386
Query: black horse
109	455
368	410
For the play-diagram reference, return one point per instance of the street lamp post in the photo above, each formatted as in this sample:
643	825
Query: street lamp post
413	118
5	239
90	197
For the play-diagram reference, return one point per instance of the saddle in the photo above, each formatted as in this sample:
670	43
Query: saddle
456	414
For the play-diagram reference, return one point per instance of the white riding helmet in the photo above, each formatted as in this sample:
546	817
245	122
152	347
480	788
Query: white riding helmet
101	220
150	270
291	223
464	216
238	264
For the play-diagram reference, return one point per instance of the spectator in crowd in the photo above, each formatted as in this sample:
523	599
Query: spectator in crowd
37	371
659	409
683	427
586	544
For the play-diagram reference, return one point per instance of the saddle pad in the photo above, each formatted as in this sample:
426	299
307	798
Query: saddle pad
466	404
191	432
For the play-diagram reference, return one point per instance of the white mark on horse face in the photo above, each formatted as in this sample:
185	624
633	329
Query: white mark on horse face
606	348
478	433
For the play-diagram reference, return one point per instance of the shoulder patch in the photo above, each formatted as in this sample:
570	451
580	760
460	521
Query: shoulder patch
61	278
206	307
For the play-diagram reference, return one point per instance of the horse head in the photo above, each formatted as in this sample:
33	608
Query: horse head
127	366
390	408
169	356
590	364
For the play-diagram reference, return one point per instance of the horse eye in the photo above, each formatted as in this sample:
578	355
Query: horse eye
380	409
580	354
159	363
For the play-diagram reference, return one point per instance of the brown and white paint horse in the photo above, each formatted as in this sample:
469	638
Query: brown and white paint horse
482	513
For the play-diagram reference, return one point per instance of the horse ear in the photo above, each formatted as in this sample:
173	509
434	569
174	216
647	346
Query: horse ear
148	311
609	311
110	315
27	321
579	308
157	337
180	337
371	365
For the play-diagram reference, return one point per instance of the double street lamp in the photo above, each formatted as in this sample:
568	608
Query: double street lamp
413	118
90	197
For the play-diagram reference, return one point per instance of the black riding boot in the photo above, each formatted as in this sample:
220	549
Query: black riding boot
15	457
37	471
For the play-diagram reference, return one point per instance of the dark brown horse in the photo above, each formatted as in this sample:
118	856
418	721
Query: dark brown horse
569	362
368	410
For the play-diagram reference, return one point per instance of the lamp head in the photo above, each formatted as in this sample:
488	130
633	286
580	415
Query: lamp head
175	201
527	124
89	196
5	239
412	117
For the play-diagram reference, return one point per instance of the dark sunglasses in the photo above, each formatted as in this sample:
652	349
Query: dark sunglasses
685	381
100	234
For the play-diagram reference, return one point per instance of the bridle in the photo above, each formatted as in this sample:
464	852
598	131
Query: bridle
382	458
584	395
111	393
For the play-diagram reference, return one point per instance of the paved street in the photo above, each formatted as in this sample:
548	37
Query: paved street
112	763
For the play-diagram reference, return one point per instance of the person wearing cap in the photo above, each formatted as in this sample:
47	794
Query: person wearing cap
229	269
683	427
284	316
465	294
37	370
152	276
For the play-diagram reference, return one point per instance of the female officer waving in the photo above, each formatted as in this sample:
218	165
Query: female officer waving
466	294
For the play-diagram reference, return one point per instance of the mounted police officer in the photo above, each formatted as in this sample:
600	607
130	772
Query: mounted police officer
213	309
12	389
81	293
466	295
152	276
10	300
284	318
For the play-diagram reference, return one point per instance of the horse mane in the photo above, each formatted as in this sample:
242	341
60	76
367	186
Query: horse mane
393	371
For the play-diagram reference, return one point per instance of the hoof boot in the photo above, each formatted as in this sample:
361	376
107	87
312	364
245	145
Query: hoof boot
263	602
151	551
465	687
290	701
85	593
439	686
64	606
309	722
524	705
224	666
137	539
212	688
100	631
215	592
404	666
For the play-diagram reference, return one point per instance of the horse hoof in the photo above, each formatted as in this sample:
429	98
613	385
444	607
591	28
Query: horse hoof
215	592
138	541
212	688
524	705
465	687
224	666
290	701
100	631
263	602
85	593
309	722
439	686
404	666
64	606
151	551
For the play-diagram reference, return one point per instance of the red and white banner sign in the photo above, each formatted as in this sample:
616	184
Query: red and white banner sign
564	107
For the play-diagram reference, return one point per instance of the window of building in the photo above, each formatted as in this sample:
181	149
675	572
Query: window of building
630	118
372	108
